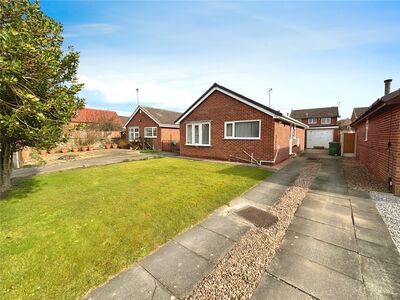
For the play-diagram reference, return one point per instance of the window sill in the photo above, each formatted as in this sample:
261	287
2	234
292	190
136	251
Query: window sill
193	145
242	138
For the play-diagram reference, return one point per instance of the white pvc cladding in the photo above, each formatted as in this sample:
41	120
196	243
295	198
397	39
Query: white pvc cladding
275	116
139	108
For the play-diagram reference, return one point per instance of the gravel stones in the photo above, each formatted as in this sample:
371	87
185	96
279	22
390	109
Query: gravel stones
238	273
388	206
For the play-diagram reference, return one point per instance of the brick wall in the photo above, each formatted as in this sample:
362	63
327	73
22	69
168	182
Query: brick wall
168	134
375	153
282	136
143	120
219	108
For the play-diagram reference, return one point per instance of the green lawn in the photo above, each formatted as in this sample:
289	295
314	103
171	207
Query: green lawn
64	233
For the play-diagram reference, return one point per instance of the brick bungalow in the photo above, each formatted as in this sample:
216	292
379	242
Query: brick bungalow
357	112
323	125
225	125
378	138
152	125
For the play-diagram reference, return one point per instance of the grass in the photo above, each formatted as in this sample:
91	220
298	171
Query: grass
64	233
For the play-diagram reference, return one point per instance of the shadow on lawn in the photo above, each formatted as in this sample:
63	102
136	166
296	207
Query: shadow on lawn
246	171
21	188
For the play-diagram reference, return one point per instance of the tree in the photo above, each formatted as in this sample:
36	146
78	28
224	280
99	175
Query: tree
38	81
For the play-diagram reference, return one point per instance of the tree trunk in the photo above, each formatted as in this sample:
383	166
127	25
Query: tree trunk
6	160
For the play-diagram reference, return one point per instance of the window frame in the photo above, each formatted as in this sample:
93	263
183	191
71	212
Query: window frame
233	130
133	128
200	126
309	120
366	130
326	123
152	131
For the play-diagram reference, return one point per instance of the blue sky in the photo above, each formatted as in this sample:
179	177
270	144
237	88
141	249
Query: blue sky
312	54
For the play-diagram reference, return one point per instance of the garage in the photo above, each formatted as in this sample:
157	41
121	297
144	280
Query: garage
317	138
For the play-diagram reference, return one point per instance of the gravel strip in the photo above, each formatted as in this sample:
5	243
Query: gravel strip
359	178
239	272
389	207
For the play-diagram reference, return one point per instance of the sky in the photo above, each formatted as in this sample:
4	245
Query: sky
312	54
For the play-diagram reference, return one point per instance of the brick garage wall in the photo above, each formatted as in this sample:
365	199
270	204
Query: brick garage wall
143	120
374	153
282	135
219	108
168	134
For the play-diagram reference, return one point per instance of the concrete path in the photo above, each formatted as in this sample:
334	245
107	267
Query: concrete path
111	157
337	247
175	268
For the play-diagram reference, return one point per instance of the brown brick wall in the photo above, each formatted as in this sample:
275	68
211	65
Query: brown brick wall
375	153
143	120
219	108
170	134
282	135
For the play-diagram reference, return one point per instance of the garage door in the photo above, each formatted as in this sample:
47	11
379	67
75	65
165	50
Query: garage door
319	138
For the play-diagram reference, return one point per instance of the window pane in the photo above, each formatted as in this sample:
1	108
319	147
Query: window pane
155	131
229	129
189	134
247	129
205	134
196	134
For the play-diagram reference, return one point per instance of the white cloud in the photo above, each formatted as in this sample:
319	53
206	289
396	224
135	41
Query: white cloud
123	91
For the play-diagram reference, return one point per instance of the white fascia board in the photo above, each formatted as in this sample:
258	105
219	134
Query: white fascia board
292	121
230	95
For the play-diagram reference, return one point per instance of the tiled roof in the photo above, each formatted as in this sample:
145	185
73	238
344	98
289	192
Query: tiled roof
321	112
92	115
358	111
162	116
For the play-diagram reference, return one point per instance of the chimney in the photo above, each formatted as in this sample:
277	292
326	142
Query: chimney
387	86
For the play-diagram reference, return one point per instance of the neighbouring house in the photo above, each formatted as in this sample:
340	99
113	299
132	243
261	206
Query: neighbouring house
378	138
225	125
153	128
357	112
323	125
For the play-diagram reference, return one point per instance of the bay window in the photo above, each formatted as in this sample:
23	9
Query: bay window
198	134
247	130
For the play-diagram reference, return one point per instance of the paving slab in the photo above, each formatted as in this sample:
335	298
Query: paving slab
134	283
315	279
326	206
378	237
206	243
382	280
329	199
326	217
330	234
379	252
328	255
369	221
177	268
225	226
267	197
274	289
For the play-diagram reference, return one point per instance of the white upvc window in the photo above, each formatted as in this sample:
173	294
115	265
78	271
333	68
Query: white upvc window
312	120
133	133
243	130
326	121
198	134
366	130
150	132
